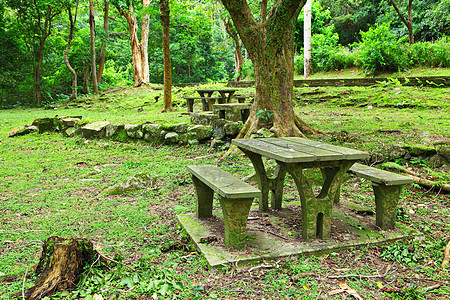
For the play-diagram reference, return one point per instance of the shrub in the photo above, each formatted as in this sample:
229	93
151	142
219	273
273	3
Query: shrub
380	50
299	65
323	46
342	58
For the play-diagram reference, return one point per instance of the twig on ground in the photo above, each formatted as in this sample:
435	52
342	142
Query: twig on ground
11	232
430	288
270	232
23	283
198	157
267	266
361	276
446	255
114	261
445	281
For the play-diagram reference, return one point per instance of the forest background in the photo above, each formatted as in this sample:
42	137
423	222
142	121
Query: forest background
34	36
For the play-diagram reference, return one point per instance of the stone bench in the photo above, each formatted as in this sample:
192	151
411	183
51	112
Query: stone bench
233	111
387	187
235	197
207	102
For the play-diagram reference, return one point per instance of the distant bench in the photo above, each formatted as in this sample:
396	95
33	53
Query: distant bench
241	98
207	102
235	196
387	187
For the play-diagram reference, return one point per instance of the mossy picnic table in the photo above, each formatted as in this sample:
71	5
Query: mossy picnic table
206	96
294	155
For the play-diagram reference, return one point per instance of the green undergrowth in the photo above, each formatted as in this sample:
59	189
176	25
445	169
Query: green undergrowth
52	186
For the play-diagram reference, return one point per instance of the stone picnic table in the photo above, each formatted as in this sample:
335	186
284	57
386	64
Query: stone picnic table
225	94
293	155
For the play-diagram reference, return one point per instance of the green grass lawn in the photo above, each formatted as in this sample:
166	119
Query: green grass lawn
52	186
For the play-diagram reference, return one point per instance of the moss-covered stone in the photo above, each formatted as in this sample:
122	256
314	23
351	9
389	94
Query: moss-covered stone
201	132
17	131
136	182
172	138
46	124
420	150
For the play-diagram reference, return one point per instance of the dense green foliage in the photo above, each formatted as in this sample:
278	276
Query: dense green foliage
346	33
381	44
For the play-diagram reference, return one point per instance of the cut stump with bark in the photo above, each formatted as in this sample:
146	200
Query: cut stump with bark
62	261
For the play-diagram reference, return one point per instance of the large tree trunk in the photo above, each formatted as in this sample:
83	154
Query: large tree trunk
93	59
165	20
66	52
307	40
102	57
270	45
62	261
138	50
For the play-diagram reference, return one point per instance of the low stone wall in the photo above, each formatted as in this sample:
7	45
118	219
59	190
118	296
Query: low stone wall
434	81
205	127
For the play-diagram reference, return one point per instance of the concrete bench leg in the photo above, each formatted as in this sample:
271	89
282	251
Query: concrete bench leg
386	200
204	198
235	215
190	105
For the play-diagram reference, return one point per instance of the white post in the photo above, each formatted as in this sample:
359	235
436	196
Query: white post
307	39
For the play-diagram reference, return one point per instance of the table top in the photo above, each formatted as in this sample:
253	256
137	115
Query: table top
298	150
216	90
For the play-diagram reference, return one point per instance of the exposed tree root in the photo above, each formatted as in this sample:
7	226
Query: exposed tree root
298	128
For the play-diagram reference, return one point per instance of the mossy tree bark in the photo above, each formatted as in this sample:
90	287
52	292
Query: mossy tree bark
62	261
270	45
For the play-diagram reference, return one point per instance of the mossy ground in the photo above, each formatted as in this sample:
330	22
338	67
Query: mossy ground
52	186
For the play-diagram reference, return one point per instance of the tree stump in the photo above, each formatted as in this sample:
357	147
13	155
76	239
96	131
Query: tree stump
62	261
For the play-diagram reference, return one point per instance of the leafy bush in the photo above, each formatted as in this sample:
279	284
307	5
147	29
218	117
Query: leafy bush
248	72
380	50
299	65
323	46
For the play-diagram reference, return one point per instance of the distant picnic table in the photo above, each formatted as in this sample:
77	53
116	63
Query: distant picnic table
208	99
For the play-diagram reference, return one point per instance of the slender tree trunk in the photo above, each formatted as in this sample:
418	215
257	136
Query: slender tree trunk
307	40
138	50
86	75
37	74
270	45
67	51
407	22
165	20
144	43
238	57
102	57
44	34
93	59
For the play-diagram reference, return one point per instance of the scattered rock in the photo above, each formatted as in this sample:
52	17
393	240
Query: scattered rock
136	182
134	131
95	130
420	150
181	128
172	138
201	132
18	131
45	124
